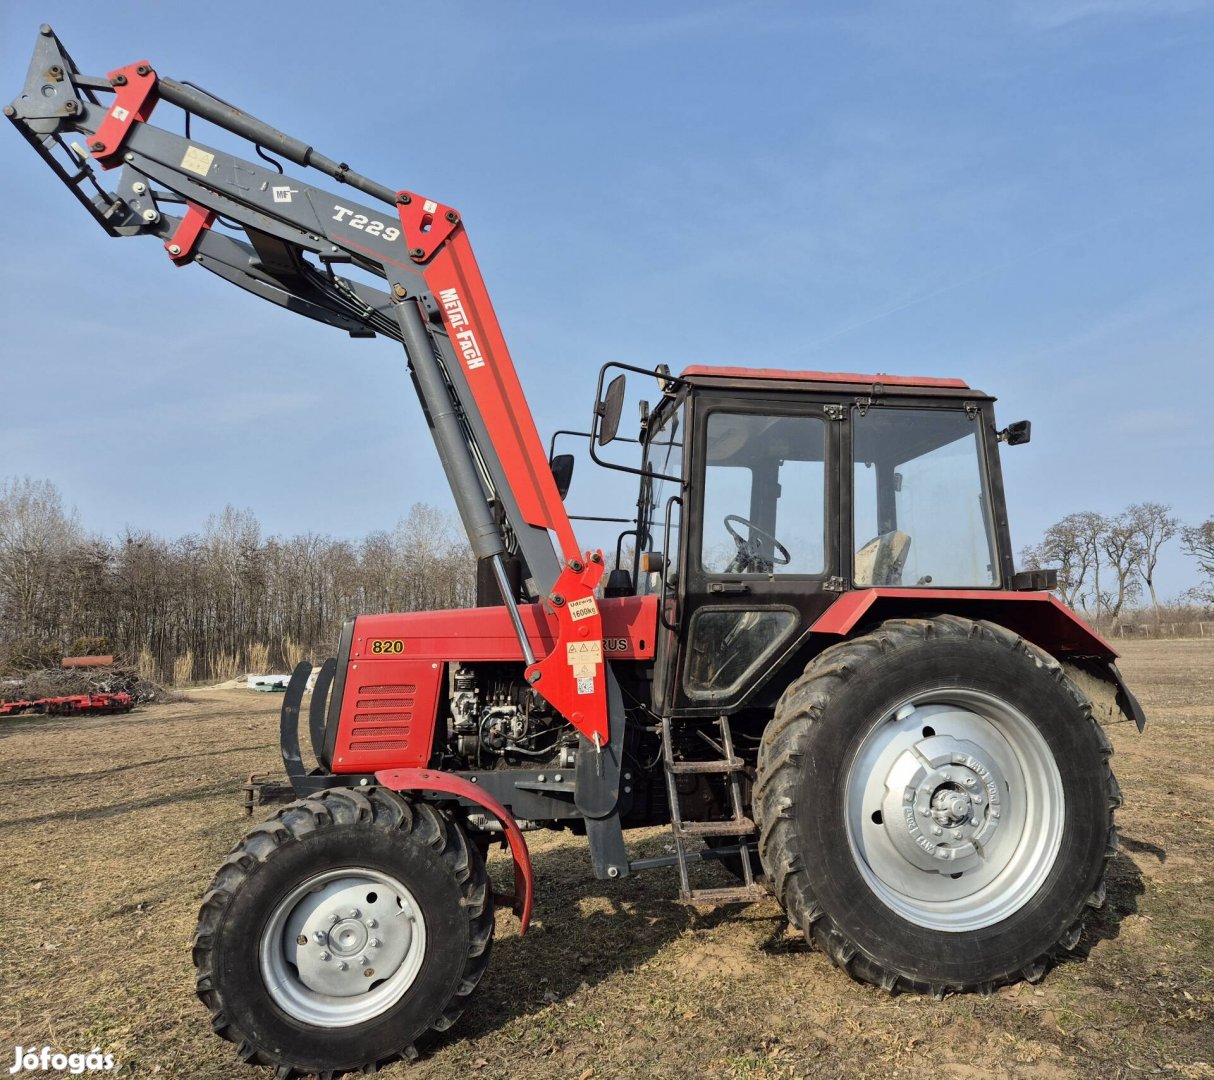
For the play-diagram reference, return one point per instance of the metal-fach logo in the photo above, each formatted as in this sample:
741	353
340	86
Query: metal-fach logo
44	1059
458	317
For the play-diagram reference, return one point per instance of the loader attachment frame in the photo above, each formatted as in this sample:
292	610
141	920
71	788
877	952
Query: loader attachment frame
284	240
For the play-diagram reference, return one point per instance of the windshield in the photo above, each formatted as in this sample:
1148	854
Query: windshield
920	500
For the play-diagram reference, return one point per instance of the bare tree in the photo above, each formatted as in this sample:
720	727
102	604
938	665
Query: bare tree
37	536
1121	544
1198	541
1072	546
1154	525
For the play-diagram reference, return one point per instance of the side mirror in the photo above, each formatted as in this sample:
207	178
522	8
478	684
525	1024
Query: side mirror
609	410
562	472
1015	434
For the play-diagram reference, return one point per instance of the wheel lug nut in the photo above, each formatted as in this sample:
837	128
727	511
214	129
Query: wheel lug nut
971	782
371	924
324	956
355	913
937	831
343	966
319	937
364	960
956	834
373	943
333	919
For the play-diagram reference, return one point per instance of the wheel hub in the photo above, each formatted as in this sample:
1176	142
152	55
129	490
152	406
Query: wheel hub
954	809
942	804
342	947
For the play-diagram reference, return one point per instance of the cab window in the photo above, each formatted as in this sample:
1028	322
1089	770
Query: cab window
764	494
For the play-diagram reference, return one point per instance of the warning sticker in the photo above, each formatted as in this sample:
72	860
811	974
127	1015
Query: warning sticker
584	652
585	686
197	161
583	609
584	671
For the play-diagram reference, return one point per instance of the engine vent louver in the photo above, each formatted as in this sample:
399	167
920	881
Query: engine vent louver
383	717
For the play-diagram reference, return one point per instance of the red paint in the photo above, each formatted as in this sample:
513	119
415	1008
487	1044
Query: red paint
426	224
388	714
133	102
578	693
481	349
1035	616
196	221
629	626
427	780
708	371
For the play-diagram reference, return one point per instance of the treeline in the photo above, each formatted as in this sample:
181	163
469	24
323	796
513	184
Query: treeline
1106	563
212	605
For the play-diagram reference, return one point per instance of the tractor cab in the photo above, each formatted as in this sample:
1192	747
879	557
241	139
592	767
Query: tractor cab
765	494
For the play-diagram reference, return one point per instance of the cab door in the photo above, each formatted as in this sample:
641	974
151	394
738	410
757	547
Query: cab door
760	548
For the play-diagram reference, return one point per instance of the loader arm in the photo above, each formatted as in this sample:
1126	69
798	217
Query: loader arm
284	240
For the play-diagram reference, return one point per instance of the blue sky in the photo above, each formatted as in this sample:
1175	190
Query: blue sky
1015	193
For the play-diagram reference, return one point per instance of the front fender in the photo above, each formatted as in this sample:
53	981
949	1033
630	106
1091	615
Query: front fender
406	780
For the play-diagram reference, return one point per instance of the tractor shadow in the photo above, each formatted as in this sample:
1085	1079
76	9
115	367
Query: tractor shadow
583	931
1124	884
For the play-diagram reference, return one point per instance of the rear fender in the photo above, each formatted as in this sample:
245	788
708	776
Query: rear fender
410	780
1088	659
1106	689
1035	616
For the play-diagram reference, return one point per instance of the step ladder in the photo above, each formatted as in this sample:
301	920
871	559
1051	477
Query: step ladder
739	825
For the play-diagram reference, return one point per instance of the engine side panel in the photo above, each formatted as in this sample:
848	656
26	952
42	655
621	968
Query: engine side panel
388	714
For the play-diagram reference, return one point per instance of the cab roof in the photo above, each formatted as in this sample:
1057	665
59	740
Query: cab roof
699	372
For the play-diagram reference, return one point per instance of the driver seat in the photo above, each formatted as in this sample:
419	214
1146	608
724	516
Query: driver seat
880	561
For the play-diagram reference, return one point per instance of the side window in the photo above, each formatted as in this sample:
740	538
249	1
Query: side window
728	644
764	494
664	455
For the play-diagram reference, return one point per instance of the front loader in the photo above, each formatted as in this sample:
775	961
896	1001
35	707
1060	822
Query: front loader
820	667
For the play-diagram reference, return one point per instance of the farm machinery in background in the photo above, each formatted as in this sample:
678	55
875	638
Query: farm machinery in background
821	667
70	705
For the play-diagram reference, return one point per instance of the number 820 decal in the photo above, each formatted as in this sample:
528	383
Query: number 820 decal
386	646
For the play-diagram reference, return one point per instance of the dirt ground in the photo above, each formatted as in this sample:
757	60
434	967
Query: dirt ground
111	827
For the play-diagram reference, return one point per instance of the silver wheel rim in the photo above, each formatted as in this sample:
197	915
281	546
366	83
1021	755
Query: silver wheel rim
954	810
342	947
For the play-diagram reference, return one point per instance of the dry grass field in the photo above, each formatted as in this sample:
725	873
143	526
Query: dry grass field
110	830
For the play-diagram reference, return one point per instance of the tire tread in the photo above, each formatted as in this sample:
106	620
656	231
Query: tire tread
327	809
788	739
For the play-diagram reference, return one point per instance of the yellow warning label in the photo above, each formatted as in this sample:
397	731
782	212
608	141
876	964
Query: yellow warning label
584	652
583	609
197	160
584	671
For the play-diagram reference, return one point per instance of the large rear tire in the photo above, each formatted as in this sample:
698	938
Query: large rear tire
935	806
340	932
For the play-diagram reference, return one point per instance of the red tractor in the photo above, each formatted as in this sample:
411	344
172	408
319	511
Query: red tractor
821	666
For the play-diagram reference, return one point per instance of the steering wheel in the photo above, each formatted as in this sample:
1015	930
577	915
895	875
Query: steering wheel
749	557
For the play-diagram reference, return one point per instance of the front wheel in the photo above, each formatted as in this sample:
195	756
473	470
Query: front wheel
936	806
341	931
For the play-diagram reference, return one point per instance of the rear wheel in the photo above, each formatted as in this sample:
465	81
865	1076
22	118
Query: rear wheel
341	931
936	806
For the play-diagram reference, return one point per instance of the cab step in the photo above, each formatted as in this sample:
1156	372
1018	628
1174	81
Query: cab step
738	825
